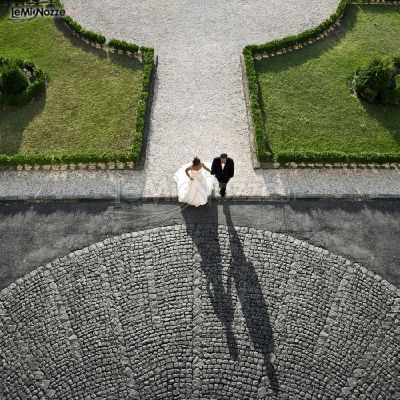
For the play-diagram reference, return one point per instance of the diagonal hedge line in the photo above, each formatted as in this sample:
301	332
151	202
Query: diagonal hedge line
264	154
147	56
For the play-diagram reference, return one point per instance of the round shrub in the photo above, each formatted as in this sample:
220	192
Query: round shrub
378	81
16	88
13	80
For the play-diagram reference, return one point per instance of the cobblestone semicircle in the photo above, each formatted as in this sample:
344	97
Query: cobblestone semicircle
200	312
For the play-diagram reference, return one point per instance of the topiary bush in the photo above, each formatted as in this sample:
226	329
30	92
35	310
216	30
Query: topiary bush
378	82
16	87
13	80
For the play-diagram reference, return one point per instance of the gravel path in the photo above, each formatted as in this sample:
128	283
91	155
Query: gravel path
274	183
199	106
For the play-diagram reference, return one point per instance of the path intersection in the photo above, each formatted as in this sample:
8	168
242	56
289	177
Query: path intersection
199	106
144	301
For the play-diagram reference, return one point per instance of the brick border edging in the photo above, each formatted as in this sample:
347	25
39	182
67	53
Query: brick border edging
257	164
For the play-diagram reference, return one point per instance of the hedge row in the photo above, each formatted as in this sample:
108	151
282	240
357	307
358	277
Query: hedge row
263	154
122	45
91	36
148	69
74	158
31	91
335	157
261	137
302	37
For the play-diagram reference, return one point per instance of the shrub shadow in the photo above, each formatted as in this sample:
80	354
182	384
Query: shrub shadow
77	41
13	122
124	60
121	60
387	116
4	11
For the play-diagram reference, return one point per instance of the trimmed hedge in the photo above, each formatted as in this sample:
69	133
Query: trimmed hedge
13	80
122	45
290	41
331	157
263	154
31	91
261	137
91	36
148	69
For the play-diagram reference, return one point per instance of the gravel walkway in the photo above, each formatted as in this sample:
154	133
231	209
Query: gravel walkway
199	106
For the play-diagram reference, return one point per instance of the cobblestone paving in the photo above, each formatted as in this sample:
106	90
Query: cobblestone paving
200	312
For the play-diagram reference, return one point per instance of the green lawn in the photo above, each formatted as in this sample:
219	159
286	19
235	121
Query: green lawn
91	100
307	101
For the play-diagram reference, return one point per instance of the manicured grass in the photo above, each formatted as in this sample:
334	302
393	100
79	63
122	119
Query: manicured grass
91	100
305	94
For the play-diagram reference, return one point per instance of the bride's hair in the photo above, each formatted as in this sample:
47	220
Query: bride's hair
196	161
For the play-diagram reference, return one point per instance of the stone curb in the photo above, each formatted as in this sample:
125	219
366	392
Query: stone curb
174	199
71	167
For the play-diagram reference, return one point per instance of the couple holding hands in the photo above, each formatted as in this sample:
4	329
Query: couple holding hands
196	181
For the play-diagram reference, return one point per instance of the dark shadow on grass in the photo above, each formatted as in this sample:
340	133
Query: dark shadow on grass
13	122
124	60
4	11
77	41
387	116
311	51
121	60
301	56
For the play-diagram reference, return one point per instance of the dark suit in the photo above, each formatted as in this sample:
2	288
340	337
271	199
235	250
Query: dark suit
223	175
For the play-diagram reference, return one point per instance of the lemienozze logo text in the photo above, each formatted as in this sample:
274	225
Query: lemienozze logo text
18	13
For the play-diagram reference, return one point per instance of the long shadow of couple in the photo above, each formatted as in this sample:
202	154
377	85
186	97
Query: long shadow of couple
242	274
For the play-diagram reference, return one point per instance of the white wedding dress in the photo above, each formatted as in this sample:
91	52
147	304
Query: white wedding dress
194	192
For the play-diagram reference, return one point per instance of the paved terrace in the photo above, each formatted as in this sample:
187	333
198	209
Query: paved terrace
200	312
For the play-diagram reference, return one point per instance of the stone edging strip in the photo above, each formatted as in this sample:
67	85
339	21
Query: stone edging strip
123	201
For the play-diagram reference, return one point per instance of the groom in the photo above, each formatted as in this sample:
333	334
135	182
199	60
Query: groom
223	168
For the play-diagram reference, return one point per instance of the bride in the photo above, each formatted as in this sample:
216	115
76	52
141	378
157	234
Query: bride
195	183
